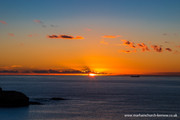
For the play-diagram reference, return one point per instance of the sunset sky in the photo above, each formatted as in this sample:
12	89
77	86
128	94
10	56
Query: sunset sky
110	36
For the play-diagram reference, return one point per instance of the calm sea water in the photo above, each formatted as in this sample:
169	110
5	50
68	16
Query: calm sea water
94	98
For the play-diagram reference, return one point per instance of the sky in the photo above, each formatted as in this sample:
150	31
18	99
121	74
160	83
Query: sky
81	36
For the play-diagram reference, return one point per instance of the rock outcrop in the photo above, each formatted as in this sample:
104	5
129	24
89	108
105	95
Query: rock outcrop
13	99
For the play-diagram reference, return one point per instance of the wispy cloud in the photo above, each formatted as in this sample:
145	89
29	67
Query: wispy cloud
64	37
3	22
40	22
111	36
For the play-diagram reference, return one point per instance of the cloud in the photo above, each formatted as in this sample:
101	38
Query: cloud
128	43
9	71
143	47
157	48
64	37
79	37
53	36
168	49
3	22
42	71
111	36
127	51
11	34
104	42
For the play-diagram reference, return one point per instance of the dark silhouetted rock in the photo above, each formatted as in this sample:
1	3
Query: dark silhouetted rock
55	98
13	99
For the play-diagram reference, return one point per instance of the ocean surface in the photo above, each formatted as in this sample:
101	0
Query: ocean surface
95	98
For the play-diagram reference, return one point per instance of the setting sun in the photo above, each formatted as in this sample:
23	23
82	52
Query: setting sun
91	74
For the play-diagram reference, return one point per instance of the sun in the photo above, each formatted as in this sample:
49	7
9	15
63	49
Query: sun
91	74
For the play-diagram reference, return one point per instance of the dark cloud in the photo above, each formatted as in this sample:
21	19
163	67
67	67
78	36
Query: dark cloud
57	71
65	37
168	49
157	48
42	71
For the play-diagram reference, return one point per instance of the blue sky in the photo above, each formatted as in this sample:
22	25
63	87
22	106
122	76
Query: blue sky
152	10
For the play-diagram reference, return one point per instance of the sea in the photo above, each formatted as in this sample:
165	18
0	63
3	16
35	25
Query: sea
95	98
